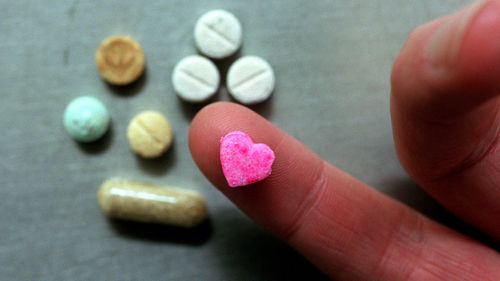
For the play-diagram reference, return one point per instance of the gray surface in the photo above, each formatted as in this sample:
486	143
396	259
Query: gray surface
332	60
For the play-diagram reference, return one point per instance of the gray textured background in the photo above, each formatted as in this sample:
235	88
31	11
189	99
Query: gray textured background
332	60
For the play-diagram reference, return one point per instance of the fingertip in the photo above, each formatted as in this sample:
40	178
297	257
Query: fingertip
293	170
218	119
206	128
450	65
479	65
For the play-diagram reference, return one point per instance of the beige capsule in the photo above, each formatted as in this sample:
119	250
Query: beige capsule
120	60
149	134
142	202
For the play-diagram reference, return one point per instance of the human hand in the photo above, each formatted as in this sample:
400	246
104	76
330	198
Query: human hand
445	108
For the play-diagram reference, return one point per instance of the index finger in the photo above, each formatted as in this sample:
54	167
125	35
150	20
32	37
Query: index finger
344	227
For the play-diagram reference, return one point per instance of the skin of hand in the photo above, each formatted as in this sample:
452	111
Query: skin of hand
445	106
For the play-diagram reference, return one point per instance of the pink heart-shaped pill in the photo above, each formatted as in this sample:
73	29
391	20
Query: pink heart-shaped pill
244	162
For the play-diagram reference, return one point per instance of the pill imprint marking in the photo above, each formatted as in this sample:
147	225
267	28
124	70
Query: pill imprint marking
197	79
119	55
224	37
149	134
248	80
120	60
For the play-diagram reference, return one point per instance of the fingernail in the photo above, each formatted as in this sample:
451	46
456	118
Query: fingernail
445	44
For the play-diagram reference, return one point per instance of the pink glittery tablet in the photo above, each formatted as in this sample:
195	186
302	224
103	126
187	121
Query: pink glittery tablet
244	162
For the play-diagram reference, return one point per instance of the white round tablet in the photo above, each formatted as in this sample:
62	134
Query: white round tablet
250	80
217	34
195	79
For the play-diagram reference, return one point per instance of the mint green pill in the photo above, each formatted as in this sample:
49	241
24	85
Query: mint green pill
86	119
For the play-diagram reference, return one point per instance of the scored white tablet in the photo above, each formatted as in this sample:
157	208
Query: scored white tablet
250	80
195	79
218	34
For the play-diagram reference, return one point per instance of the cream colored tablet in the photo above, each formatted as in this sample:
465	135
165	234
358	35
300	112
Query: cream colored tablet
141	202
149	134
218	34
120	60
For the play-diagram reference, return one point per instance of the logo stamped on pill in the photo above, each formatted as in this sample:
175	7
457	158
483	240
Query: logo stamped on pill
119	55
243	161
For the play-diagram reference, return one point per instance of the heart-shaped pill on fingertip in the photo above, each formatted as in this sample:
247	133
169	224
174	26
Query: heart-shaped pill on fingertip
244	162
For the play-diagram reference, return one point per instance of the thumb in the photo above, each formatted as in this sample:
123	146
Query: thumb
347	229
445	108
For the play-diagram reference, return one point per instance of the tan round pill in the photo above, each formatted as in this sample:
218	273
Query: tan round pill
142	202
120	60
149	134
